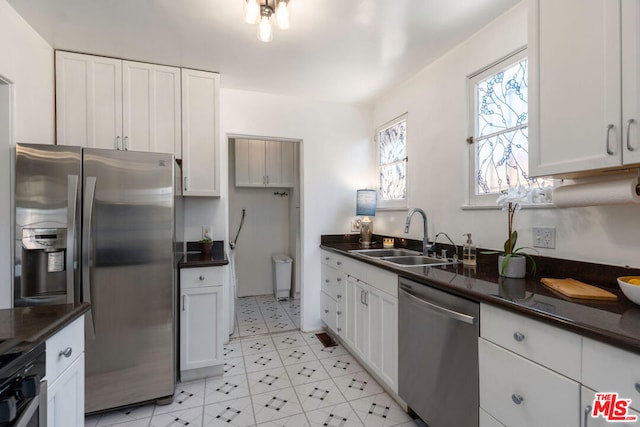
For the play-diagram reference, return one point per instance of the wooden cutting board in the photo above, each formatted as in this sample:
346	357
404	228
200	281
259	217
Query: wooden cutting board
576	289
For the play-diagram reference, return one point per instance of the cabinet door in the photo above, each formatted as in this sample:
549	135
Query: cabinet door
361	324
288	164
383	336
587	398
350	308
200	151
631	81
65	397
151	108
88	101
273	151
328	311
201	327
575	86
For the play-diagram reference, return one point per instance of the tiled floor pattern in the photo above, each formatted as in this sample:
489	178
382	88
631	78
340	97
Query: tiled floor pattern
264	314
281	379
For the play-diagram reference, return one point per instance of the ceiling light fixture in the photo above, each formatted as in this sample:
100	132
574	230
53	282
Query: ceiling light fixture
260	11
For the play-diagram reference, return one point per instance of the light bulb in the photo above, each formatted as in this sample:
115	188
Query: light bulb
282	15
265	33
251	11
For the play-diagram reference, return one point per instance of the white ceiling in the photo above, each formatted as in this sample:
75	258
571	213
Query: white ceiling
336	50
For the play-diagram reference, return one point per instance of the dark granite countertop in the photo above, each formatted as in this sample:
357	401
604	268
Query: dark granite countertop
198	259
37	323
616	323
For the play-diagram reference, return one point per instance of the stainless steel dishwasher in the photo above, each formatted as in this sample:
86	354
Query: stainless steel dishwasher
438	355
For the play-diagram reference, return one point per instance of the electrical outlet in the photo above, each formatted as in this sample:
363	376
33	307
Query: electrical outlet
206	232
544	237
355	224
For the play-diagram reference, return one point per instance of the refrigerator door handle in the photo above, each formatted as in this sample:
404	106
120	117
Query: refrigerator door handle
89	195
72	204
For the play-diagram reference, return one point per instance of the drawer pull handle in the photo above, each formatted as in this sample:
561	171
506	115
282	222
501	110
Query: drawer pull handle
339	263
339	296
339	279
339	313
327	259
517	399
326	311
201	277
326	281
518	336
637	386
339	329
587	412
66	352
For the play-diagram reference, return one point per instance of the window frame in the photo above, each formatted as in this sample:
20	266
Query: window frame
392	204
473	79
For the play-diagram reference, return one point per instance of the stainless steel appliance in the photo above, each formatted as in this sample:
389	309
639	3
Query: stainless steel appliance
438	355
98	226
23	393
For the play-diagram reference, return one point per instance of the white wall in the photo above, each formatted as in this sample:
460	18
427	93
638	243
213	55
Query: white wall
436	101
335	152
26	115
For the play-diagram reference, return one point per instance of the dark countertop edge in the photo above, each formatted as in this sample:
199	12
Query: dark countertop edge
194	260
68	313
590	331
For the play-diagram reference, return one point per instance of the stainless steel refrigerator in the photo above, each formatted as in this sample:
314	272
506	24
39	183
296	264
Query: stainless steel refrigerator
98	226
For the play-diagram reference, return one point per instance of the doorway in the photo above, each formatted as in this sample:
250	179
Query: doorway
264	214
6	193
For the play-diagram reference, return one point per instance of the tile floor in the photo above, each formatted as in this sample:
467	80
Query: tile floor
274	379
263	314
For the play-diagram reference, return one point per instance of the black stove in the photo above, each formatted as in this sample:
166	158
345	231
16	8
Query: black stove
22	367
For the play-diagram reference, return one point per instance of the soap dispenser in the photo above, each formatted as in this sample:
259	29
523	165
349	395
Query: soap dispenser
468	252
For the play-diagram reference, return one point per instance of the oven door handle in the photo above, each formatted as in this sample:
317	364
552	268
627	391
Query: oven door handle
27	415
433	307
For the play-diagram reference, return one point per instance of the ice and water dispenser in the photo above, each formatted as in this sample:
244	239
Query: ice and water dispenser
43	262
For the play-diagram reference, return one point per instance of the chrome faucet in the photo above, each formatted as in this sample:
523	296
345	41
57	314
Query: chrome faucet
425	240
455	247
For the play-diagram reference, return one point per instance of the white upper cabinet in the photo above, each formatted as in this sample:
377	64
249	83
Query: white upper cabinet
200	151
576	80
262	163
114	104
151	108
88	100
631	81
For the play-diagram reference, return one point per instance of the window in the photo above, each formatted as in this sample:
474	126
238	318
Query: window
391	141
499	120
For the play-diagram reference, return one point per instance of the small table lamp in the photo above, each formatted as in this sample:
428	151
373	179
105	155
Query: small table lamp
366	207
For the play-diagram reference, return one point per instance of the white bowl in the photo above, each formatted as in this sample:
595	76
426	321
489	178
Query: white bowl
630	290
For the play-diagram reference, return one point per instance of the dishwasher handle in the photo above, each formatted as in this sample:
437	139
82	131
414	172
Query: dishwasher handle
447	312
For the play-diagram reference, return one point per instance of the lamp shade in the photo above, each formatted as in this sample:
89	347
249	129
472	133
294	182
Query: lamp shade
366	202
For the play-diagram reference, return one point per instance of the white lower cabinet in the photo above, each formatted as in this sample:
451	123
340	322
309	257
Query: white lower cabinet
486	420
65	376
518	392
65	397
332	298
369	315
201	322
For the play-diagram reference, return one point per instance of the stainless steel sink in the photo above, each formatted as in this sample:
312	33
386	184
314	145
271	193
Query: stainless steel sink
379	253
418	260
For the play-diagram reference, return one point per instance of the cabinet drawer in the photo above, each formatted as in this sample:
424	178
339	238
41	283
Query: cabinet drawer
332	282
201	276
547	345
332	259
328	311
518	392
609	369
64	348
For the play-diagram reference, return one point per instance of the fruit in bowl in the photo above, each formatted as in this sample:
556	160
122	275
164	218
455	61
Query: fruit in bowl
630	286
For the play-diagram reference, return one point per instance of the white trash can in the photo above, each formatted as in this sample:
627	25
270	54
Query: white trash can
281	276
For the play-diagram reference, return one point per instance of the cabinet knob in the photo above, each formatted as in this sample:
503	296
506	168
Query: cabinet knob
327	259
66	352
326	311
339	329
201	277
637	386
517	399
339	279
339	263
518	336
326	281
338	296
339	313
